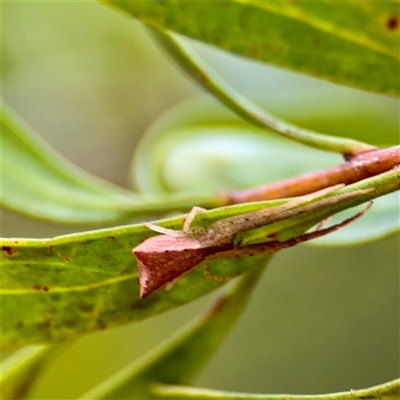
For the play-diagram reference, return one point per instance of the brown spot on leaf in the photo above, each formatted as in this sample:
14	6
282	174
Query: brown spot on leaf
219	305
46	324
101	325
20	324
9	250
392	23
111	237
255	51
67	259
86	308
40	287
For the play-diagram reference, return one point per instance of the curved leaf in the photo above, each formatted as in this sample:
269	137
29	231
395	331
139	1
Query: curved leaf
351	43
181	357
244	107
59	191
55	289
19	371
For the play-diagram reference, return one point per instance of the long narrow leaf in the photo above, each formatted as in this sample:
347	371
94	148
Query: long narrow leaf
58	191
181	357
344	42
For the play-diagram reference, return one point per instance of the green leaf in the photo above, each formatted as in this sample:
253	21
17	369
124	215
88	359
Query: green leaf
180	359
56	289
348	43
38	182
386	391
20	371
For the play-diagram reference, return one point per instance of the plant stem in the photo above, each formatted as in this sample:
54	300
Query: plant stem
358	168
251	112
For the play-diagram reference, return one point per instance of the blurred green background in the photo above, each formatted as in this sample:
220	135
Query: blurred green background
91	82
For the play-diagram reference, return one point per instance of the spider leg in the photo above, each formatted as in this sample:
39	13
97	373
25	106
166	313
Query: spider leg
191	216
165	231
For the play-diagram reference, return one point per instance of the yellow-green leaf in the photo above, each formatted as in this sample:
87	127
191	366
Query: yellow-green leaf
40	183
180	358
353	43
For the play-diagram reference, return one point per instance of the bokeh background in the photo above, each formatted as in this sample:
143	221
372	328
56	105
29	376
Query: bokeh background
91	82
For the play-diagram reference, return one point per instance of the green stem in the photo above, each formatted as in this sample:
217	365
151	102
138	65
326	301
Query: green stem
388	390
251	112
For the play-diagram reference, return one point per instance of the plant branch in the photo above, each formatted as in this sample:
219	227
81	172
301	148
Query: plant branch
360	167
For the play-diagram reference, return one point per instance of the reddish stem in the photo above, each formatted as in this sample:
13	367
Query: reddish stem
358	168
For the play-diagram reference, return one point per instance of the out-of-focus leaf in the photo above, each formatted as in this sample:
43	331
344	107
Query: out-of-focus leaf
38	182
56	289
20	370
180	359
353	43
173	145
249	111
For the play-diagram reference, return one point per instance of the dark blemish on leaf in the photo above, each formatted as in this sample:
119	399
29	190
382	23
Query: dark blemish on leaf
111	237
219	304
20	324
205	78
67	259
52	310
273	235
255	51
39	287
101	325
44	325
16	241
392	23
9	250
86	308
